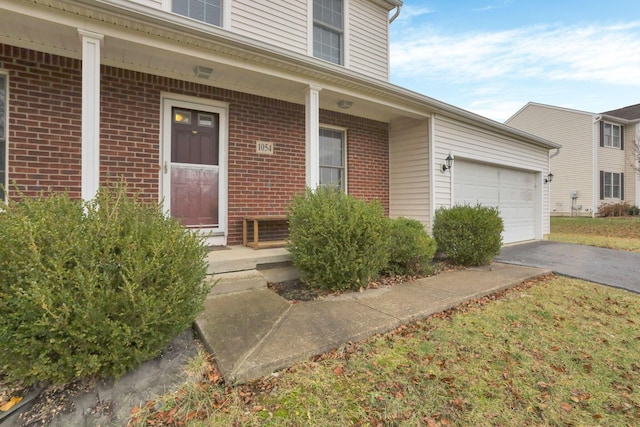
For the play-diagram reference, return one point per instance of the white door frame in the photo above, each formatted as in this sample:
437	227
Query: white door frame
217	235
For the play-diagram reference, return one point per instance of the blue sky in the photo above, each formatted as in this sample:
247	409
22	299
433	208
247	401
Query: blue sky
493	56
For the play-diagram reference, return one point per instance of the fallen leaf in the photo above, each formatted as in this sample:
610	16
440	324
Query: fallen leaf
10	404
339	370
566	407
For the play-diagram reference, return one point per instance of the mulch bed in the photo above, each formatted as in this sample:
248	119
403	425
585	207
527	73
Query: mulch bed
296	290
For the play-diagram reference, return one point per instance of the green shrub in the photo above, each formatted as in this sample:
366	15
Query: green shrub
468	235
411	249
337	241
93	288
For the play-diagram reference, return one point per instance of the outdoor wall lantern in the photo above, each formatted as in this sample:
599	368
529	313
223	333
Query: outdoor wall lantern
448	163
549	178
345	104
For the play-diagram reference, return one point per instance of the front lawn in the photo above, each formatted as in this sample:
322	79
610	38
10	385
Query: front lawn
555	351
612	233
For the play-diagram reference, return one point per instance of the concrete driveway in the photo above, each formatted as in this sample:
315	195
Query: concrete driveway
609	267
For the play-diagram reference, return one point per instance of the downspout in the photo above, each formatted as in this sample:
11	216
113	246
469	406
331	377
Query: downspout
395	15
595	196
596	174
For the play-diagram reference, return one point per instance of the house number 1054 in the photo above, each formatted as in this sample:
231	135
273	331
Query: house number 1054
263	147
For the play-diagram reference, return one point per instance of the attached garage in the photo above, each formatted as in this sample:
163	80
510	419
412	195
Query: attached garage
512	191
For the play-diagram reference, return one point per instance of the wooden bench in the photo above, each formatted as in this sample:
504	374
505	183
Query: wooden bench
257	219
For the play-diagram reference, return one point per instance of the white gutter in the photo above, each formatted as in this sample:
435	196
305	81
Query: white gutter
395	15
265	54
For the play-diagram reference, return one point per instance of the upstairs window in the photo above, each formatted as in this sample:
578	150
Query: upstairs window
611	135
3	135
333	158
209	11
328	31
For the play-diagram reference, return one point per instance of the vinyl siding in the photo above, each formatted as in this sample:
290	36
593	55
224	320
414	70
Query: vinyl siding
573	166
369	39
409	169
280	22
156	4
632	175
467	142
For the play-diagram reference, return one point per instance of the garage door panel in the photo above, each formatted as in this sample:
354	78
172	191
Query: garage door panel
511	191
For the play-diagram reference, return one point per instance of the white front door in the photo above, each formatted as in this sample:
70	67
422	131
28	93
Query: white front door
194	173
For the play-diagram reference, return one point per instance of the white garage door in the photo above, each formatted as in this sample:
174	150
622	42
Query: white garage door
512	191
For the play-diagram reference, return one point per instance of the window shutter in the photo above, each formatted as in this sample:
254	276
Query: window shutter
621	137
621	186
601	141
601	185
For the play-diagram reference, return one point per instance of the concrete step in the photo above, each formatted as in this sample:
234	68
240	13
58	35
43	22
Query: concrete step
237	281
240	258
279	273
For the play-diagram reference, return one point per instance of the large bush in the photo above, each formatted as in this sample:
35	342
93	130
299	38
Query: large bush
93	288
618	209
469	235
337	241
411	249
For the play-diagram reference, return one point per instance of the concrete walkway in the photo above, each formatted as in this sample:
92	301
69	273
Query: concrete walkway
256	332
253	332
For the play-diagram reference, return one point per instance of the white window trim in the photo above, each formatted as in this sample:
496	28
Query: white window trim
612	144
218	235
344	132
604	190
345	33
225	14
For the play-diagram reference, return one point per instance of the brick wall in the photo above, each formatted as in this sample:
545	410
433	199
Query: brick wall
44	127
45	139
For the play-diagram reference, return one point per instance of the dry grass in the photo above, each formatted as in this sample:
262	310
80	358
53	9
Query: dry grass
553	352
612	233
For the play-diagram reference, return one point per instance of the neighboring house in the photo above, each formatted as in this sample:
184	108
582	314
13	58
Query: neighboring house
226	108
596	163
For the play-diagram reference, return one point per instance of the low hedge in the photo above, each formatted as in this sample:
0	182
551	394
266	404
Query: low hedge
93	289
469	235
411	249
337	241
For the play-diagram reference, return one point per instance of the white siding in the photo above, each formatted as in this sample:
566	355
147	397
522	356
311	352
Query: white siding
409	169
611	160
467	142
156	4
369	39
280	22
573	167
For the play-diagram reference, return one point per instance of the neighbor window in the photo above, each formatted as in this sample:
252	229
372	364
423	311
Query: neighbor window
332	158
611	185
612	135
328	32
3	134
209	11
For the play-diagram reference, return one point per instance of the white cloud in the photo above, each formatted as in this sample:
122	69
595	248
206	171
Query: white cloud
602	53
407	13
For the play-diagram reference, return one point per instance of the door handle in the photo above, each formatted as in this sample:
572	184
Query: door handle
166	166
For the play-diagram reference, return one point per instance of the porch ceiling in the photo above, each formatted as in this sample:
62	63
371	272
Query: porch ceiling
127	49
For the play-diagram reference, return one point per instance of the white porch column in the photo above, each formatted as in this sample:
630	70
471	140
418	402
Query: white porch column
312	125
91	43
